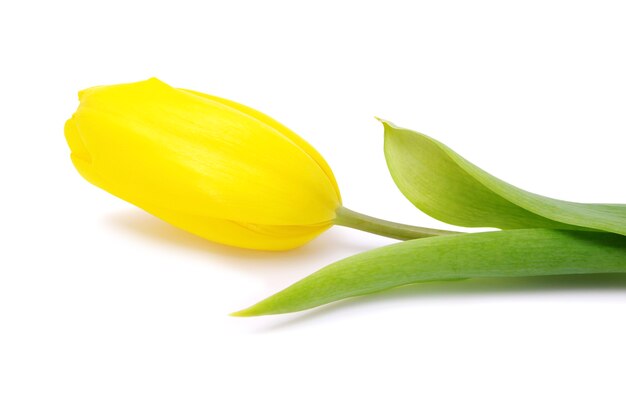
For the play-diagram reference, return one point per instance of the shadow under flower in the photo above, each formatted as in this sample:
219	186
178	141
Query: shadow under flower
327	248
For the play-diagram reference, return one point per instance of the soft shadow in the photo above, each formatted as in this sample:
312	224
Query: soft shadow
151	229
467	288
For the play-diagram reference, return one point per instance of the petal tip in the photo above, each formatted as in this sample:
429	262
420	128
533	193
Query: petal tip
74	140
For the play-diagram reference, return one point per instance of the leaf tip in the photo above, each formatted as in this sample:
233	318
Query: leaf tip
387	125
257	309
243	313
384	121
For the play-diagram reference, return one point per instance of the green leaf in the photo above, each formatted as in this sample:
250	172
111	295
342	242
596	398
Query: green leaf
449	188
509	253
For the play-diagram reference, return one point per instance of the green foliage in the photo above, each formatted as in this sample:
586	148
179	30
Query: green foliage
449	188
542	236
511	253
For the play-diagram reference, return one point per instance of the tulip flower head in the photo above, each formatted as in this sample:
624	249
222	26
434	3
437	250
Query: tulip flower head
208	165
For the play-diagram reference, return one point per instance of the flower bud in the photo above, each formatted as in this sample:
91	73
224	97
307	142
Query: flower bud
210	166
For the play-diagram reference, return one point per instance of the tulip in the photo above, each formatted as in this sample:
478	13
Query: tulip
213	167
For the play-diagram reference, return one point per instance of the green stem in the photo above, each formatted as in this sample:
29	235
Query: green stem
349	218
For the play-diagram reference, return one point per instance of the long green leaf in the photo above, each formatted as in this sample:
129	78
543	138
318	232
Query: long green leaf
449	188
509	253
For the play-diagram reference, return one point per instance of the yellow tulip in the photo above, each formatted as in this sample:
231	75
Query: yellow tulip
210	166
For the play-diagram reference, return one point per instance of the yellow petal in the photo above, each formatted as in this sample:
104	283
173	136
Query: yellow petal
295	138
208	165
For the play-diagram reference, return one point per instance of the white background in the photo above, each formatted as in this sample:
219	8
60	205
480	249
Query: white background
105	309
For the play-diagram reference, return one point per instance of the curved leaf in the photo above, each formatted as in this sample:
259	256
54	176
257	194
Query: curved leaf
510	253
449	188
